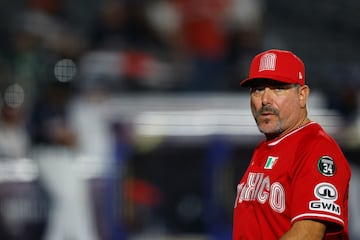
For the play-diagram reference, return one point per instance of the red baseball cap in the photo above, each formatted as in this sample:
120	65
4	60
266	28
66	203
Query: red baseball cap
279	65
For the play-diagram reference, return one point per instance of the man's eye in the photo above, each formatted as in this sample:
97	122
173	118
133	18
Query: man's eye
279	89
257	89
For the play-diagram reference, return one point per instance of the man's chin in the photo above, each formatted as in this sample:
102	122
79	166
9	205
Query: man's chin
269	130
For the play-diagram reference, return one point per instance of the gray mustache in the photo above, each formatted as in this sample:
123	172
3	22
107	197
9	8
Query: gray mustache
267	109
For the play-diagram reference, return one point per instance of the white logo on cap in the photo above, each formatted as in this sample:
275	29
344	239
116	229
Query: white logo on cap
300	75
267	62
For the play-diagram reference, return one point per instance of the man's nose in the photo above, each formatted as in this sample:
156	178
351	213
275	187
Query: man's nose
266	97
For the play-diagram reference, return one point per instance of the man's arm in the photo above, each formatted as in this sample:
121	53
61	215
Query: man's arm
305	229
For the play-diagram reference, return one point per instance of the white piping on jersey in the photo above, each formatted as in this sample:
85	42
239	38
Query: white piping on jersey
289	134
318	215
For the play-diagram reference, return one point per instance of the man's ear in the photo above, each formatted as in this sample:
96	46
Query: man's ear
304	92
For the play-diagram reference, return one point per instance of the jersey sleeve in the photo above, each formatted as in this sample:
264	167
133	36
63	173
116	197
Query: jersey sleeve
320	182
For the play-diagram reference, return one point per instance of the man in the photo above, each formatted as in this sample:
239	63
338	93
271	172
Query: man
297	182
54	143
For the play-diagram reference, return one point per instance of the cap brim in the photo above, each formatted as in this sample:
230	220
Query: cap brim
249	81
246	82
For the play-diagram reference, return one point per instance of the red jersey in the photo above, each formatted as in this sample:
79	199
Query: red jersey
302	175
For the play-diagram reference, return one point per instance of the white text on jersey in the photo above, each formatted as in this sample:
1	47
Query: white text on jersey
259	188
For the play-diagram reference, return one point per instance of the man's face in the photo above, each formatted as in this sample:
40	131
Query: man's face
277	107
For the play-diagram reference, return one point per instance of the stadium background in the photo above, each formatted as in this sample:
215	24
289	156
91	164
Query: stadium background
164	129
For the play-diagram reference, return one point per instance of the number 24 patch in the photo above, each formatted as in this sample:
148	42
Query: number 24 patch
326	166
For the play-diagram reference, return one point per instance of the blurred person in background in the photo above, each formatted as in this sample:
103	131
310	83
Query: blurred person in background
297	182
47	21
39	34
14	145
107	32
245	36
209	38
55	149
343	97
124	37
201	39
23	207
123	25
14	140
27	61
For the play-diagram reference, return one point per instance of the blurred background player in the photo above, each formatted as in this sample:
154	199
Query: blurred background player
55	150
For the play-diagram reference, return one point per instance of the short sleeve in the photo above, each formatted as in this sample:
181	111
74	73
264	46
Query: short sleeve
320	182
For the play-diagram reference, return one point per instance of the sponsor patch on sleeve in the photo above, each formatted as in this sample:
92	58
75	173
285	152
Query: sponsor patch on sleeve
326	195
326	166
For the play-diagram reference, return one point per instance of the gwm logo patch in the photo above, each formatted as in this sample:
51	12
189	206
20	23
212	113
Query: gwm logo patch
327	194
326	166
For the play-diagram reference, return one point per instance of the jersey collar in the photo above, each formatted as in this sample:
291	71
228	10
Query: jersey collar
277	141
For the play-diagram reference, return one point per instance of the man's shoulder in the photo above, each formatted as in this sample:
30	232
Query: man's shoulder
314	132
315	139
